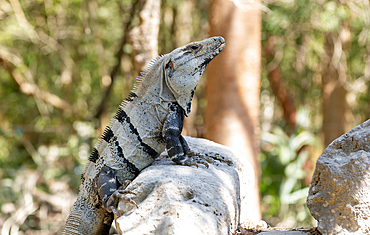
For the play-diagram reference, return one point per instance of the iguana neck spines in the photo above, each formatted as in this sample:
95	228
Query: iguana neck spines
147	122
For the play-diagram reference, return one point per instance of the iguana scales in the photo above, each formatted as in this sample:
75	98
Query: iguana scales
149	121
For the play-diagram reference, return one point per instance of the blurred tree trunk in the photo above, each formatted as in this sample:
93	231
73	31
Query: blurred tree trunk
233	85
183	22
277	84
144	38
335	107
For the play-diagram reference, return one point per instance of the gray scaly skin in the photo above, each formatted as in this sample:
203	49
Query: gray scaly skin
149	121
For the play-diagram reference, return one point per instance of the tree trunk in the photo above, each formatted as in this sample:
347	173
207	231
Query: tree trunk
335	105
278	86
233	86
144	38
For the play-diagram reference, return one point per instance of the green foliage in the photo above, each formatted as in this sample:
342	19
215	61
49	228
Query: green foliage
300	30
53	55
282	187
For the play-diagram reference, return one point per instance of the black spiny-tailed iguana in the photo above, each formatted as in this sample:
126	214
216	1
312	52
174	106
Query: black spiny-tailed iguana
149	121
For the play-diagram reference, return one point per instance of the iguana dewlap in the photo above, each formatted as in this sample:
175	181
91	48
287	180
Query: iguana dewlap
149	121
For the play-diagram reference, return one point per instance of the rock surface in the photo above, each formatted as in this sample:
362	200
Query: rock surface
339	195
283	233
176	199
279	231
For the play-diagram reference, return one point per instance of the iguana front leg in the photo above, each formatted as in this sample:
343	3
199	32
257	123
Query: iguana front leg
177	148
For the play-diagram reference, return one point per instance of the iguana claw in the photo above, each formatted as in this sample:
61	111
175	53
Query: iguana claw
118	196
193	159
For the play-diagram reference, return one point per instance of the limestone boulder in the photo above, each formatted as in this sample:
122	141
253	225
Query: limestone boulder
278	231
175	199
339	195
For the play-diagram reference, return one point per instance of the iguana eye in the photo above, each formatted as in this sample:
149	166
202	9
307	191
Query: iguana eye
194	47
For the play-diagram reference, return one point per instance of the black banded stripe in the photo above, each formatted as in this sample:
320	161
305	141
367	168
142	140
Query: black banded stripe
108	136
94	155
122	117
131	167
99	203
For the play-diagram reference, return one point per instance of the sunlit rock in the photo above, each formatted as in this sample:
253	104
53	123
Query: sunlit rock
176	199
339	195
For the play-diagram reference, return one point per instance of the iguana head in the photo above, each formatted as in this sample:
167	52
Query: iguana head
185	65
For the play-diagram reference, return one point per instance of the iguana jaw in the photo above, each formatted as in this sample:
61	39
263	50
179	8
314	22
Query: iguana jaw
185	66
209	51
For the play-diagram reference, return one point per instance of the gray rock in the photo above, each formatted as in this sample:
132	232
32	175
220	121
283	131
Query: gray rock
339	195
279	231
275	232
176	199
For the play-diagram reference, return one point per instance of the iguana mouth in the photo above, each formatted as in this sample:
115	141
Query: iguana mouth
222	45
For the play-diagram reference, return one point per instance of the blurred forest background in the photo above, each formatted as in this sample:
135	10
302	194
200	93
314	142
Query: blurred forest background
66	65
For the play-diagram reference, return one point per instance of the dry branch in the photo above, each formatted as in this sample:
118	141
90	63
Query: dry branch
29	87
46	43
118	57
